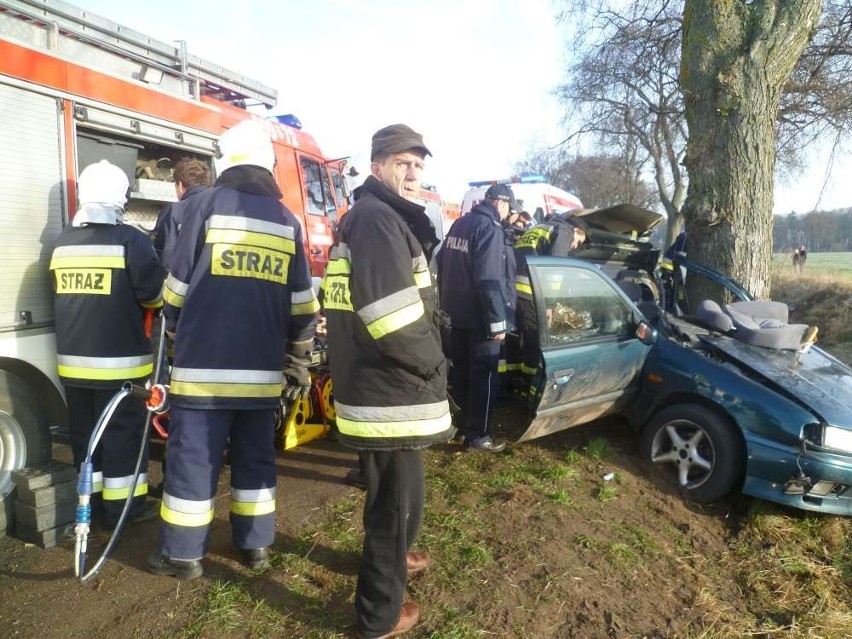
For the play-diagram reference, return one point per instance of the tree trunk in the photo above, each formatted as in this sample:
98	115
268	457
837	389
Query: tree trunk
736	58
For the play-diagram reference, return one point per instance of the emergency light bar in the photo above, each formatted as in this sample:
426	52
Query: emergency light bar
288	120
527	178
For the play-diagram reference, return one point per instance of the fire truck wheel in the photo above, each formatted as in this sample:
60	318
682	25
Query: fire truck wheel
24	432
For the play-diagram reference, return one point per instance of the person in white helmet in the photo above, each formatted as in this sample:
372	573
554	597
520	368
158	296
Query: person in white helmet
107	278
241	307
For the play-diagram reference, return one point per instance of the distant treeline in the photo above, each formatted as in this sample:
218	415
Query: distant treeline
818	231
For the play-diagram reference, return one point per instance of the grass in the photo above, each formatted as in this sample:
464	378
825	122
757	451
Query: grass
786	574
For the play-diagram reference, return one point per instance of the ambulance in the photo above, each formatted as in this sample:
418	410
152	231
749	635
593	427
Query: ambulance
441	213
76	88
533	192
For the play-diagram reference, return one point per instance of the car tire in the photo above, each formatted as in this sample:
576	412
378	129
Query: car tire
24	431
704	450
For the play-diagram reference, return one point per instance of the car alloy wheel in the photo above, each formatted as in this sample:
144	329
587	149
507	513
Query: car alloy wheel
703	449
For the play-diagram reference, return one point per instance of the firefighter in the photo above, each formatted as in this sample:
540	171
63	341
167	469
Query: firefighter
240	304
385	355
107	278
560	234
476	273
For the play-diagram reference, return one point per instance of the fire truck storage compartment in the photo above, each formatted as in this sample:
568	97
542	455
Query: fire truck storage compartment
32	190
149	167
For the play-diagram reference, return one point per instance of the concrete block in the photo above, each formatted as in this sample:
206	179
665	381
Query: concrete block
45	517
44	538
40	476
7	514
48	495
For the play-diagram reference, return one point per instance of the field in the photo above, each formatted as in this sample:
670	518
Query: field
570	536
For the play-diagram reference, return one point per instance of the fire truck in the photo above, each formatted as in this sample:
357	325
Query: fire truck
76	88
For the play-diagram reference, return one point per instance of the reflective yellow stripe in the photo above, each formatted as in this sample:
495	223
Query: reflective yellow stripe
308	308
122	493
340	266
504	367
396	320
250	238
82	372
523	288
172	298
410	428
189	520
156	304
87	261
528	370
202	389
253	508
423	279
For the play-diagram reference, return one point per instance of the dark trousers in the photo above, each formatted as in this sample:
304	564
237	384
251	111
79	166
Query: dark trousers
115	457
197	440
475	380
393	511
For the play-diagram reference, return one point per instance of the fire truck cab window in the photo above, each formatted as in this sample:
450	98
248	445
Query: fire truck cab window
318	198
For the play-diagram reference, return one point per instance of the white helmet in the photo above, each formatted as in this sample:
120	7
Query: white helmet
246	143
103	183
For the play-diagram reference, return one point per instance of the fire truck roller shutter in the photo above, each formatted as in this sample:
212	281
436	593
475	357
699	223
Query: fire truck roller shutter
32	183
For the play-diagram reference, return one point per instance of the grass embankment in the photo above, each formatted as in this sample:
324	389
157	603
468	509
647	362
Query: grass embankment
820	296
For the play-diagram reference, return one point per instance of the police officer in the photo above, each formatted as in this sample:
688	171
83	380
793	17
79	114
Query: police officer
476	274
238	297
106	278
560	234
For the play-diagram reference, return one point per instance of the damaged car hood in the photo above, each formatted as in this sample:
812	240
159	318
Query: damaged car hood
814	379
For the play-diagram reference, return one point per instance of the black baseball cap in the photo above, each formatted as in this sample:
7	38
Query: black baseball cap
503	192
397	138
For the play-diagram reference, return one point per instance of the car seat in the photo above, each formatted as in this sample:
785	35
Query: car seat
759	323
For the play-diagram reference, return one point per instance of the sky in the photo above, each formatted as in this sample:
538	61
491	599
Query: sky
475	77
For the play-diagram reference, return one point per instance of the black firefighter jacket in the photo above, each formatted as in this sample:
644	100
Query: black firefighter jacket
238	294
476	273
554	237
105	277
384	343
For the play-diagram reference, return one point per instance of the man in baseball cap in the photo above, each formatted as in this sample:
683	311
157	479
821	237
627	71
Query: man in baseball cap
397	138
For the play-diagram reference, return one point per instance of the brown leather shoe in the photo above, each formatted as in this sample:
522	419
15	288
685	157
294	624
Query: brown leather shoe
416	561
409	615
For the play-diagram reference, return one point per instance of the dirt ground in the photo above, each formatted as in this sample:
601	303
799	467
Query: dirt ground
558	572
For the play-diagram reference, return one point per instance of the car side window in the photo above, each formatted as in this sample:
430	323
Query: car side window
580	305
318	198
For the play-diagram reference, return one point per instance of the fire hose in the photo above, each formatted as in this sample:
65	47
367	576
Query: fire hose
156	398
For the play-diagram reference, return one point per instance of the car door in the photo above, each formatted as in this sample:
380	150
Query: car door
590	351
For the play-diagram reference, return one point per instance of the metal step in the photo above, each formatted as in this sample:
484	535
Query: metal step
113	39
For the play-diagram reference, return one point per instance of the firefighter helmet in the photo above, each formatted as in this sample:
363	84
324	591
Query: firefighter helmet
103	183
246	143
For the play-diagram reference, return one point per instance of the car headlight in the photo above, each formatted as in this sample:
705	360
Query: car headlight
837	439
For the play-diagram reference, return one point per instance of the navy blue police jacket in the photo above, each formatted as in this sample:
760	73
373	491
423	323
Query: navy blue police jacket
238	294
476	273
164	235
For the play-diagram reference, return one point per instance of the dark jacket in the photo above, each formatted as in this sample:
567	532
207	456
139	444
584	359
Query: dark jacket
164	235
105	276
384	343
238	294
476	273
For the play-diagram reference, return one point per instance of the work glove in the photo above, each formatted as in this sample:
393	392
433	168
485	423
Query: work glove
296	374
